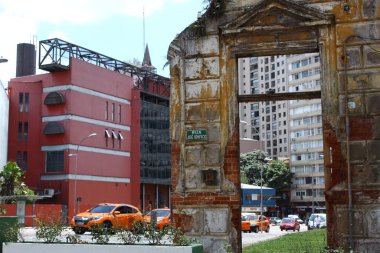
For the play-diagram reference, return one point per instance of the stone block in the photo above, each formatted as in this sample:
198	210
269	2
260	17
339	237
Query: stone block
368	175
192	220
372	103
358	152
193	180
207	89
355	104
376	128
205	112
207	45
354	57
214	133
341	215
371	56
371	8
373	151
194	111
216	220
202	68
212	112
193	156
212	155
374	223
368	30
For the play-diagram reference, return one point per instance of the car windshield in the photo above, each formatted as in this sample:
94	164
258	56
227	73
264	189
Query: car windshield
287	220
102	209
251	217
161	213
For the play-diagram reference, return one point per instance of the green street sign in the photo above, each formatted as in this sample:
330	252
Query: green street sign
196	135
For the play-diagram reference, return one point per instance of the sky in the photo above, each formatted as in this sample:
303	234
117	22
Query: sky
113	28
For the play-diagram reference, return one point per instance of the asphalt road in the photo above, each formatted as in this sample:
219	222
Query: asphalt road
274	232
29	234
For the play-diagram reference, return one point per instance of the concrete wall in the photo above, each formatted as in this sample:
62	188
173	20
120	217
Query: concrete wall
204	96
80	248
4	120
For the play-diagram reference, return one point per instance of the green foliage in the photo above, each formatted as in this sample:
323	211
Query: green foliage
132	236
49	229
179	238
11	181
10	232
313	241
74	239
275	174
101	233
154	235
216	7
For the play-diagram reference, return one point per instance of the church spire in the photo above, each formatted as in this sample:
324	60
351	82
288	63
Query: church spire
146	61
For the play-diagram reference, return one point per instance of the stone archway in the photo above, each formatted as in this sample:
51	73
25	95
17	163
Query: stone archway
204	112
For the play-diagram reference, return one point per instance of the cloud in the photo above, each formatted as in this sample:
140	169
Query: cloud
22	19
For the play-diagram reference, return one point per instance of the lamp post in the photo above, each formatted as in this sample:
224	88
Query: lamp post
3	59
76	169
264	161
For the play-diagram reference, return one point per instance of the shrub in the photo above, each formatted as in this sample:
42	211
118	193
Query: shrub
48	229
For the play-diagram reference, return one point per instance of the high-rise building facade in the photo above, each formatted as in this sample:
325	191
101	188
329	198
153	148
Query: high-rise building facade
265	121
306	139
289	129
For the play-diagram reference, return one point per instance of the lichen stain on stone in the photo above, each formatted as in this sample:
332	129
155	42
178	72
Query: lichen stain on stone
341	15
345	31
175	103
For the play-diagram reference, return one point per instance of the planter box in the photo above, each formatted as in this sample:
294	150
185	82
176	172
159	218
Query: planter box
96	248
6	222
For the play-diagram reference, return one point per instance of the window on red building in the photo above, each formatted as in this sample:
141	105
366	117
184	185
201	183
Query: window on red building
106	136
54	161
26	131
26	102
21	102
113	112
119	113
25	160
19	131
106	112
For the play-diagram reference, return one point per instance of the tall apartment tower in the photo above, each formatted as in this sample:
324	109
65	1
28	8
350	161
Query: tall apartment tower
289	129
265	121
306	140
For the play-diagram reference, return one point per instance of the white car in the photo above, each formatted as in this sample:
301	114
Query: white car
314	223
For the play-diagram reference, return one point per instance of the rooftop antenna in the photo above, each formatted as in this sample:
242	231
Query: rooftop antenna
143	28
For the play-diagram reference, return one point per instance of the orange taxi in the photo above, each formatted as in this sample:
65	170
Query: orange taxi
163	217
245	224
107	214
257	223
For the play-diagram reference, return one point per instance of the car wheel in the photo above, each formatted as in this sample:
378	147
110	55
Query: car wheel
267	230
108	226
281	229
294	229
256	229
79	231
286	229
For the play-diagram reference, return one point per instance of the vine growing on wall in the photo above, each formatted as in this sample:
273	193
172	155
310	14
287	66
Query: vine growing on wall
216	7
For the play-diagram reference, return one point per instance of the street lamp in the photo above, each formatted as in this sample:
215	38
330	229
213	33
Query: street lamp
76	169
265	160
3	60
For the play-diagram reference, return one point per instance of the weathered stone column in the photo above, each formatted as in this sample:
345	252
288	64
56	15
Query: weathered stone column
205	155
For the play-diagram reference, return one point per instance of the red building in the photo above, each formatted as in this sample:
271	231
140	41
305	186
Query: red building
76	132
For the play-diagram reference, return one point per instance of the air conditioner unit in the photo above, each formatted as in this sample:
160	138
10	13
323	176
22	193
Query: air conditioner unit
49	192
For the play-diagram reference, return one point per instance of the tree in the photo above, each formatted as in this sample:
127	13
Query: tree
275	174
11	181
